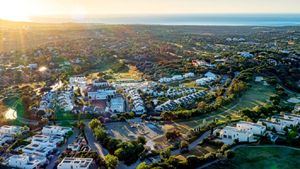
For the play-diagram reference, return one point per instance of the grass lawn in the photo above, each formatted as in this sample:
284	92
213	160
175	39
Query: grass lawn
266	158
132	73
15	104
257	94
203	149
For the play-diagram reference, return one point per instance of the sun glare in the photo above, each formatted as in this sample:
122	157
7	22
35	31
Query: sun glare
13	10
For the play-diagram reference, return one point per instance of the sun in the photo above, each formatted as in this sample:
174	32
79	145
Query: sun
13	10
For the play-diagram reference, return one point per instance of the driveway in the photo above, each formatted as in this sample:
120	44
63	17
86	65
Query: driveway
93	143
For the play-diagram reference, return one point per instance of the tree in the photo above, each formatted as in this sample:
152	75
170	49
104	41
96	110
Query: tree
184	146
95	123
80	125
229	154
143	165
275	99
111	161
171	135
141	140
165	154
99	133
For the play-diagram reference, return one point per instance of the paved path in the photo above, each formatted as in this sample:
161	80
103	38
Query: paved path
93	143
194	143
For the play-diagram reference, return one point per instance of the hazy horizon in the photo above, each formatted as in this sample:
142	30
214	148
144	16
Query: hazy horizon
23	10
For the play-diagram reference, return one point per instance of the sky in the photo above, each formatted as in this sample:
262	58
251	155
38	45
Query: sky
24	9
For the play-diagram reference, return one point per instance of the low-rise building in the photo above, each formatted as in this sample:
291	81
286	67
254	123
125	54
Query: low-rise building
177	77
76	163
256	129
271	125
25	161
4	138
294	117
43	145
234	133
74	147
78	82
12	130
284	121
102	94
208	78
189	75
117	104
56	130
246	54
100	83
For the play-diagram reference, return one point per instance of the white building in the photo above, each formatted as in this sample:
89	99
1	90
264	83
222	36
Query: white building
25	161
137	102
294	117
33	66
246	54
42	145
208	78
278	127
117	104
283	121
256	129
177	77
65	100
56	130
4	138
210	75
189	75
100	83
165	80
12	130
76	163
78	82
74	147
233	133
101	94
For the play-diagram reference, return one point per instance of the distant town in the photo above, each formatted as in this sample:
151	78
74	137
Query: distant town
135	96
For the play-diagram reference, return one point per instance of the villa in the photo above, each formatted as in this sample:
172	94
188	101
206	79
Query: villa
271	125
56	130
25	161
256	129
11	130
233	133
76	163
293	117
117	104
5	138
42	145
102	94
208	78
138	103
78	82
283	121
246	54
100	83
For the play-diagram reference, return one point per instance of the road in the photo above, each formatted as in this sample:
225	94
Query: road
191	145
62	148
194	143
93	143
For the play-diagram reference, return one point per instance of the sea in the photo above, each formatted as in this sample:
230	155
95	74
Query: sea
194	19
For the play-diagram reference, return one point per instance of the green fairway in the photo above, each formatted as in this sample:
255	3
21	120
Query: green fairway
266	158
15	104
257	94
